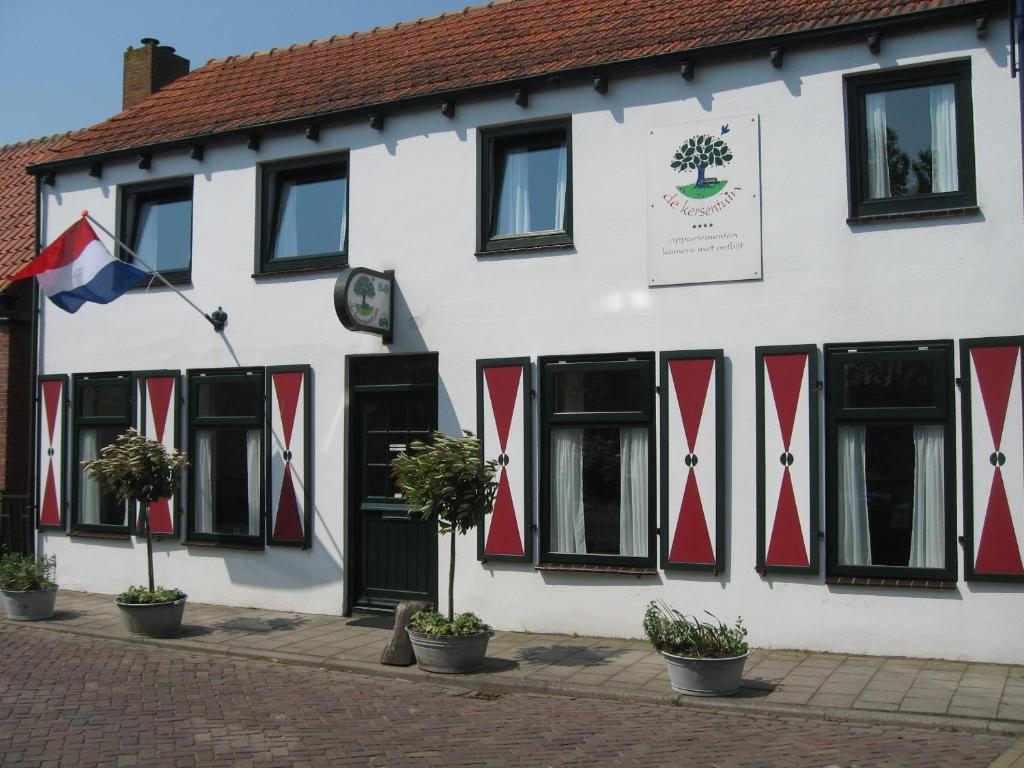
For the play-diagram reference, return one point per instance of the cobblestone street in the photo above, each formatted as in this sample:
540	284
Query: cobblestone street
67	700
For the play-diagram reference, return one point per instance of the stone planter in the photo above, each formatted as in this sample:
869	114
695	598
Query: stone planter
153	619
450	655
705	677
29	606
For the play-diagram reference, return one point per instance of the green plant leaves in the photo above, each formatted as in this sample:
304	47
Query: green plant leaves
435	624
133	468
24	573
670	631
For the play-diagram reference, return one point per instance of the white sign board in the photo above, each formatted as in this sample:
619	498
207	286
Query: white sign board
704	201
364	301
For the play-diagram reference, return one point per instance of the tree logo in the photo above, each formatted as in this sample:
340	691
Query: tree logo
699	153
364	288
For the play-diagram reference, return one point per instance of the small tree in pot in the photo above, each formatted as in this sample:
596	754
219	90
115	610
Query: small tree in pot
133	468
448	478
27	586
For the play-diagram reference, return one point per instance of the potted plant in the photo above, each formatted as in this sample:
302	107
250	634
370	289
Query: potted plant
27	587
133	468
703	658
448	478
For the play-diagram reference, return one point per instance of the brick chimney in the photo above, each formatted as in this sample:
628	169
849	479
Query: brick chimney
148	69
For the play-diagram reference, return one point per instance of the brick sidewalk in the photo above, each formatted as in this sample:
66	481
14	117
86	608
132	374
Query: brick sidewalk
979	697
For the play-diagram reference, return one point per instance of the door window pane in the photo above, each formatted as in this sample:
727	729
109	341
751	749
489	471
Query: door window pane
597	391
893	383
238	397
104	399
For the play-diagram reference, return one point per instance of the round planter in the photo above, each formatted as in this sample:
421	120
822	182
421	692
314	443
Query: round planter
451	655
153	619
705	677
29	606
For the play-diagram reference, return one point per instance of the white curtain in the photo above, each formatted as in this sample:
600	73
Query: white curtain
942	99
252	461
878	161
633	492
204	481
560	185
343	221
568	531
927	539
514	201
286	243
854	537
89	503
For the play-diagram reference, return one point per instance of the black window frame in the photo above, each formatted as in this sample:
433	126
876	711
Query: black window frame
130	198
268	178
78	382
491	139
942	413
195	422
548	366
858	85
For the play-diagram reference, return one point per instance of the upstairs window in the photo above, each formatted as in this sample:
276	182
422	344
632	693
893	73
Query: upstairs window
156	223
596	460
304	214
103	411
526	180
890	471
911	140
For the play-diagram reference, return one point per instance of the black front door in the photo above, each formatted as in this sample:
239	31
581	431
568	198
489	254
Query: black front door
393	401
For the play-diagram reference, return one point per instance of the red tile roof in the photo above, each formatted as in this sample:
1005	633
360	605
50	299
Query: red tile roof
503	41
17	202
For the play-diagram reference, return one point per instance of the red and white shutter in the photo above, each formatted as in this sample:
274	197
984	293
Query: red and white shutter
691	460
503	425
787	459
159	394
288	455
52	412
994	455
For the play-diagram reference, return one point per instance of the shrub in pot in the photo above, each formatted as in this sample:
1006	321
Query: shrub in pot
448	478
138	470
704	658
27	586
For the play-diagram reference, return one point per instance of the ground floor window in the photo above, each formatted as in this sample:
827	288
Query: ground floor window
596	459
227	416
102	412
890	460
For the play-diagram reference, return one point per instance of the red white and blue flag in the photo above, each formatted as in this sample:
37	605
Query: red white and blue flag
77	267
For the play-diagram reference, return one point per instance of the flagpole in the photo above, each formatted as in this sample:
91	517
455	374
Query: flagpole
217	319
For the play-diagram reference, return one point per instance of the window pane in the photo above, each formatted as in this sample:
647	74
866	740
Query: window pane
911	141
242	396
163	238
95	506
105	399
908	383
227	477
891	495
599	491
531	180
311	217
600	391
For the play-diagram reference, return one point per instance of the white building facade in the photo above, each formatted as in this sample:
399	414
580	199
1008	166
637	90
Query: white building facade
822	433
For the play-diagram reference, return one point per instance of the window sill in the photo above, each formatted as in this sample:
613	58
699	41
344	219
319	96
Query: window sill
151	282
889	583
615	570
880	218
225	545
112	535
511	251
299	270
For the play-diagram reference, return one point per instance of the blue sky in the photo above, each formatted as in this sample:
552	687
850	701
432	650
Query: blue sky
61	60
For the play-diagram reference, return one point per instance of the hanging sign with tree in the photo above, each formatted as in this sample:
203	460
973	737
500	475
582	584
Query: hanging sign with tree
365	300
704	201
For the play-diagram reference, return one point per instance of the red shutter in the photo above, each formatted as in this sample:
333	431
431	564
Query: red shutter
288	455
50	488
787	465
693	532
504	429
159	393
993	425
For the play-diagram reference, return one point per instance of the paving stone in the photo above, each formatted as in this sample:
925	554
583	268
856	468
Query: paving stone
924	705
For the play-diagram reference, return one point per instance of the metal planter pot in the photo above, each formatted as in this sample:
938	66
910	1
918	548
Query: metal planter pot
450	655
705	677
153	619
29	606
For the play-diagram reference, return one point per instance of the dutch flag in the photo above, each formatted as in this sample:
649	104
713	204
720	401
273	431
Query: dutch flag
77	267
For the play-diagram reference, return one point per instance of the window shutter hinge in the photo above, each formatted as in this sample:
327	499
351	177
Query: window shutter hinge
657	388
533	393
819	385
821	535
534	528
960	381
962	540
